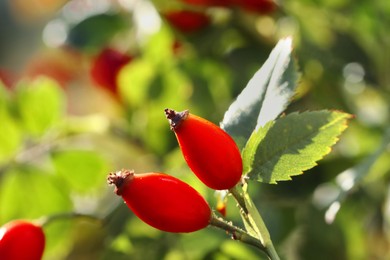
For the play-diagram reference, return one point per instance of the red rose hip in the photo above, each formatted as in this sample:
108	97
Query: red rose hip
209	151
106	66
20	239
208	3
162	201
257	6
187	21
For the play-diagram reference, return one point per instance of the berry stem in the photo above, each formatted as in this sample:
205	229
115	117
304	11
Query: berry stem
237	233
239	199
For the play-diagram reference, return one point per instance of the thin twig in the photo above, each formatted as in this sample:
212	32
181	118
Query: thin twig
237	233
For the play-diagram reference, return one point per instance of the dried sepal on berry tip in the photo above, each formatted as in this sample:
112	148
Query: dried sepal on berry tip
175	118
118	179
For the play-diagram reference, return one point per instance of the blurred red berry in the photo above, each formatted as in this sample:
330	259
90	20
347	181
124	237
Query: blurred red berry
187	21
257	6
21	240
221	207
209	3
60	64
106	66
177	47
7	78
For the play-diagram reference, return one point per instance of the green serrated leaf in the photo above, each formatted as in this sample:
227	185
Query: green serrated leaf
291	144
81	170
266	95
40	104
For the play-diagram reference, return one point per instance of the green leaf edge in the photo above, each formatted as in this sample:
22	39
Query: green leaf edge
249	151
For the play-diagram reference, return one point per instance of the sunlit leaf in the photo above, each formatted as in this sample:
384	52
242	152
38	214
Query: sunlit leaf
291	144
252	219
41	104
135	80
234	250
255	220
82	170
160	47
196	247
249	221
29	193
11	135
266	95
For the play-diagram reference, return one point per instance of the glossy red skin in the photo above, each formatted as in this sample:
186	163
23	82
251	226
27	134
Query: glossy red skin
21	240
166	203
210	152
187	21
106	66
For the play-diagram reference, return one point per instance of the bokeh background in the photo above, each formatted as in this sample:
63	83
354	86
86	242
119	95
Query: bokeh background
84	86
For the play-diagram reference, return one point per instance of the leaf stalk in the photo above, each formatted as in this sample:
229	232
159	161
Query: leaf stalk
258	224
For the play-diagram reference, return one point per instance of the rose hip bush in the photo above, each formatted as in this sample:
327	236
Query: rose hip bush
269	146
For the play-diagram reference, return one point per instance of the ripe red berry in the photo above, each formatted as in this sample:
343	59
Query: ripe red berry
187	21
58	64
162	201
20	239
209	151
105	68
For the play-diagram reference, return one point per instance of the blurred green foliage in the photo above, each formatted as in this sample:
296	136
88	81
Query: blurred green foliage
59	141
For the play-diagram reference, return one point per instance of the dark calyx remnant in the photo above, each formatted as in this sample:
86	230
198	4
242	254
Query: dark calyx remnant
118	179
175	118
